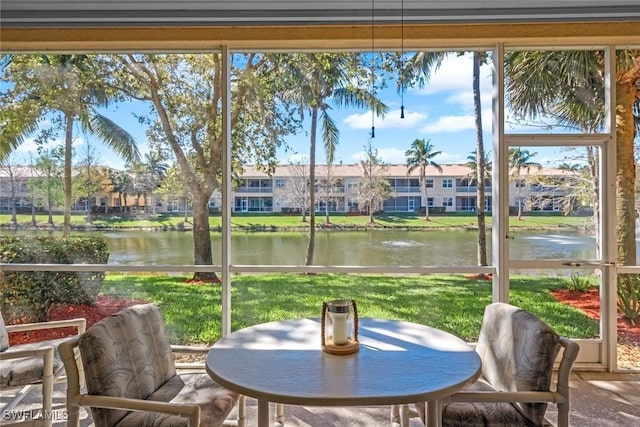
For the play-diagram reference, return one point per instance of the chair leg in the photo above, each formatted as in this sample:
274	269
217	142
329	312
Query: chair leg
279	421
47	389
395	415
242	411
404	416
563	414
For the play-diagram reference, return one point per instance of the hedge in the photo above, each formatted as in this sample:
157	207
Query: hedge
29	295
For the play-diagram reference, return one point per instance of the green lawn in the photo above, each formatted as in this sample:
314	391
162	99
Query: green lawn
449	302
266	221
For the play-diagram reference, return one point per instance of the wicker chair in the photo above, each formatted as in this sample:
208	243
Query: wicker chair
128	367
518	352
24	366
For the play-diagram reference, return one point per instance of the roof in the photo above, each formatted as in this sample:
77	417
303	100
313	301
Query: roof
395	170
308	12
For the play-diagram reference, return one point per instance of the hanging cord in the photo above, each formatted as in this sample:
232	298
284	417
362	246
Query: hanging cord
373	67
402	59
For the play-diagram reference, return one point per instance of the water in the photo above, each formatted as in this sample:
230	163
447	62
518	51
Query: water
353	248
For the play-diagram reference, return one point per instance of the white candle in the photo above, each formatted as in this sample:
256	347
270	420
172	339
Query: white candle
339	328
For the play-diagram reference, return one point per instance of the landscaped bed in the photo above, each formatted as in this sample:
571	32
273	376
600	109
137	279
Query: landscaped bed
453	303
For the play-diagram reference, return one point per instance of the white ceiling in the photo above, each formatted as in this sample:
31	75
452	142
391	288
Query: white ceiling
52	13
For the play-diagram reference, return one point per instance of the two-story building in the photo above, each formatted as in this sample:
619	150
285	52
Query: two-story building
451	190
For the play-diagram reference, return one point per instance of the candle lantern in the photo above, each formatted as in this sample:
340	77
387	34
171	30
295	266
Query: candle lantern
339	326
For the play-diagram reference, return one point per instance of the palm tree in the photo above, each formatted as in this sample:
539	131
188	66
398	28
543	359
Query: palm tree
421	155
481	160
520	160
317	81
479	173
72	86
533	90
150	173
418	71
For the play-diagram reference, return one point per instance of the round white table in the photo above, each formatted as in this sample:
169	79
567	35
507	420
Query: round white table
398	363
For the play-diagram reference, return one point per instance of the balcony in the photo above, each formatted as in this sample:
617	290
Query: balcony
412	189
261	190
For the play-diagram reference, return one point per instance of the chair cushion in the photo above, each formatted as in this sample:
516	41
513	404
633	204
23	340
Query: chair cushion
126	354
215	402
28	370
486	414
4	335
517	351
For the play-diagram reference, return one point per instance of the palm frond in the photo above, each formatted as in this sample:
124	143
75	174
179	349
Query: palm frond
116	137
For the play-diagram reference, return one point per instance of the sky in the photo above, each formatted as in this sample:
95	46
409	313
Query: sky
441	112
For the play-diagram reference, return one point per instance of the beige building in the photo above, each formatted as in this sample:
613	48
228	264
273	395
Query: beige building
452	190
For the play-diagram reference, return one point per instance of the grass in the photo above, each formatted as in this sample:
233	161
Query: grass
449	302
267	221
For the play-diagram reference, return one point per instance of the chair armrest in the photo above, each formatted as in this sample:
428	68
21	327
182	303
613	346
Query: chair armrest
506	396
79	323
187	349
46	352
191	412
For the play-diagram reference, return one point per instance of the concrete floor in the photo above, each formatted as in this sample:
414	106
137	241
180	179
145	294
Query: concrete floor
598	400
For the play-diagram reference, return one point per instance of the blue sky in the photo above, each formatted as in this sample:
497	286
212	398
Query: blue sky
442	112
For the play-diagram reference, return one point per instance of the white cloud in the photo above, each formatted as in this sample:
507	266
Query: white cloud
455	78
449	124
391	121
446	157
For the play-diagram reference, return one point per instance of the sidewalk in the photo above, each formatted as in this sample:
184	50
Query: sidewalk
598	399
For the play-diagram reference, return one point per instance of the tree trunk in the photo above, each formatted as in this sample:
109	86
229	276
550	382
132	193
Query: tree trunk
519	183
480	166
312	188
326	212
202	252
426	202
593	162
625	175
371	219
68	140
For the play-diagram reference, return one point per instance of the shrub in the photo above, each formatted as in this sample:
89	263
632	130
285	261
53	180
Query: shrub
629	297
30	294
578	283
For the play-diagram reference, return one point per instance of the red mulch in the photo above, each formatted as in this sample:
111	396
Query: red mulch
589	303
103	307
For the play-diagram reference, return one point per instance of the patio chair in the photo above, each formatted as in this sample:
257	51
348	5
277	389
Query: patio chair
518	352
131	379
25	366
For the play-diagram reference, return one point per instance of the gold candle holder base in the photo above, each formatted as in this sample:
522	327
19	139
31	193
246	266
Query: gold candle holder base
349	348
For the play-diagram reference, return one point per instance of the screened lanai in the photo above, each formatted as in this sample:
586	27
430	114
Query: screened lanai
492	27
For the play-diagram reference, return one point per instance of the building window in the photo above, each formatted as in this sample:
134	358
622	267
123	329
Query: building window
447	183
429	183
447	201
279	183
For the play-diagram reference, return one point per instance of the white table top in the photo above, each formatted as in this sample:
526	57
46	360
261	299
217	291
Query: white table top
398	362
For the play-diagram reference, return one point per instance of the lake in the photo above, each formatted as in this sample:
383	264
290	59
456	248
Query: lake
351	248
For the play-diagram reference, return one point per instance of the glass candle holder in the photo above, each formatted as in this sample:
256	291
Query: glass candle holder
340	326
